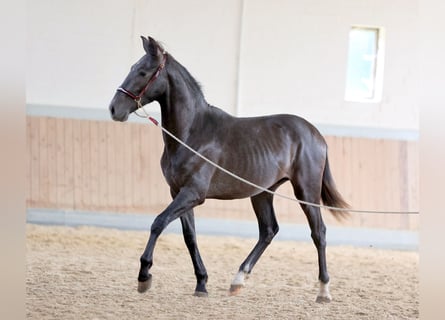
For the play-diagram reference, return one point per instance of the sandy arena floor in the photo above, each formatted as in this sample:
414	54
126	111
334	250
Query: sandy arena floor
90	273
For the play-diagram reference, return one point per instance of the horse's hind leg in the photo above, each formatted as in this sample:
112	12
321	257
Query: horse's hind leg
188	230
268	228
306	190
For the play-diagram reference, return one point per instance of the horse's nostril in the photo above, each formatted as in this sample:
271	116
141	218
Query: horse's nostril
112	111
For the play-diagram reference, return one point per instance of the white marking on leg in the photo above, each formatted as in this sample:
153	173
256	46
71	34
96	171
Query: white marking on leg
324	292
239	278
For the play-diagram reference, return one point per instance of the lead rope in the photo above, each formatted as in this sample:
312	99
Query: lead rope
156	123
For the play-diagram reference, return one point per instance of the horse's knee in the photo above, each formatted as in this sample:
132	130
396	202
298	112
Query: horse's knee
158	225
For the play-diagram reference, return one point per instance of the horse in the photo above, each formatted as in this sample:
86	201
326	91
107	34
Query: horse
266	150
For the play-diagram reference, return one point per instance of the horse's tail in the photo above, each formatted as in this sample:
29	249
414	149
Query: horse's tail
330	195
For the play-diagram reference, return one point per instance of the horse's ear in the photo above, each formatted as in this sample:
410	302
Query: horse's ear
150	46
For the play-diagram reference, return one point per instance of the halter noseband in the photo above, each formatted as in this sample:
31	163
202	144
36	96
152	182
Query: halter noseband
137	98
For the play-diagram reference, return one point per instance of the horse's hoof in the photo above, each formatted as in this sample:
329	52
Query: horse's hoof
144	285
201	294
325	299
235	289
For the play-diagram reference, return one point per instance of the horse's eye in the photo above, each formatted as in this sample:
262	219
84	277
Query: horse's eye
142	73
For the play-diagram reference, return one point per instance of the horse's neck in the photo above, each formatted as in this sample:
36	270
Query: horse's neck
180	105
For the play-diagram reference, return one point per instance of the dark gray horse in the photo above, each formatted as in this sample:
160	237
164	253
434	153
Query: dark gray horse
264	150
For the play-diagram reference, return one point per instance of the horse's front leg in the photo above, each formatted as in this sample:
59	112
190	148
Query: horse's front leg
185	201
188	230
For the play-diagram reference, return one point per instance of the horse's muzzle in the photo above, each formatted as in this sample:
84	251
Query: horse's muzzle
118	116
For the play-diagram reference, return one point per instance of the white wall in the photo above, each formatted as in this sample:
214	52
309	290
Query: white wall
251	57
203	36
78	51
293	59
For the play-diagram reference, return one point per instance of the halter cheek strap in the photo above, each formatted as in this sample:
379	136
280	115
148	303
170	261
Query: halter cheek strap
128	93
137	98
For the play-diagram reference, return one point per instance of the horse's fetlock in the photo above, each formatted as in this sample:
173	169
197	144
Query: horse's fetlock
145	263
202	277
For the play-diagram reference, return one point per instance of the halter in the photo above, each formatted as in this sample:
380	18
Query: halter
137	98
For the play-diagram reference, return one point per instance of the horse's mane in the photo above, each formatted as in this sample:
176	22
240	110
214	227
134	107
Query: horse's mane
191	82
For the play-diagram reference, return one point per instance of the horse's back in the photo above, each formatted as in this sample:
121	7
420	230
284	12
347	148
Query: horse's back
278	128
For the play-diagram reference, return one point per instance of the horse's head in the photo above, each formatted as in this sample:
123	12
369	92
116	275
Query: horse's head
141	86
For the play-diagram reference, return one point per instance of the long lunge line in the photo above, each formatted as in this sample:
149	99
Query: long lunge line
155	122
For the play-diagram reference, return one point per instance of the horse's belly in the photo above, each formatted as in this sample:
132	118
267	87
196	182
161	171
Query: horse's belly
224	186
233	191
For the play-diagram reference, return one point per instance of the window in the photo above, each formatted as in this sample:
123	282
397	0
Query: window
364	76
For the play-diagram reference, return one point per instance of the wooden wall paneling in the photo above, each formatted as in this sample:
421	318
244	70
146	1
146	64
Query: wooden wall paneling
390	183
403	183
380	160
112	175
356	181
396	181
77	165
52	161
342	170
34	161
377	176
373	172
352	178
345	177
285	210
385	161
281	205
28	162
127	158
86	163
43	162
151	179
413	189
94	165
69	163
246	208
60	163
35	164
393	183
383	169
365	149
98	165
118	150
145	183
136	168
413	183
216	207
103	165
387	179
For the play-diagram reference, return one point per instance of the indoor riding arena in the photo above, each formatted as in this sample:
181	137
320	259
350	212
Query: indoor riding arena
95	186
